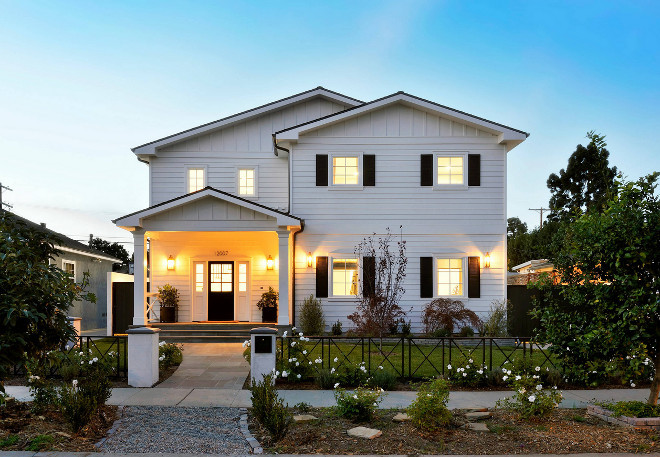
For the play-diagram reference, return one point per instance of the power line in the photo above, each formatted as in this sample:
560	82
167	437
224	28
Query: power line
540	211
3	204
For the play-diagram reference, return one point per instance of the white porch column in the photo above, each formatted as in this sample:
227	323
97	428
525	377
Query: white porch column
140	278
283	308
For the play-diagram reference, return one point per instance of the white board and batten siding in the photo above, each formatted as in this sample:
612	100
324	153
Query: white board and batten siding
247	144
465	222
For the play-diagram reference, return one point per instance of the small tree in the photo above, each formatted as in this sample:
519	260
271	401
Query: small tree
448	314
312	320
114	249
607	306
34	296
381	286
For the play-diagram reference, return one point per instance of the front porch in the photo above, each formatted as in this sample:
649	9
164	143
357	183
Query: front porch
209	332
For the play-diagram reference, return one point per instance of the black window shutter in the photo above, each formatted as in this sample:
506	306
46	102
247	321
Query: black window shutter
474	278
368	276
369	163
474	169
426	277
322	170
426	169
321	277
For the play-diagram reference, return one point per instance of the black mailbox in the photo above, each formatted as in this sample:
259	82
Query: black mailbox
263	344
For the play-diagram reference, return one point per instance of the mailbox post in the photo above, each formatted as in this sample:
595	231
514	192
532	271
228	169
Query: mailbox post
263	347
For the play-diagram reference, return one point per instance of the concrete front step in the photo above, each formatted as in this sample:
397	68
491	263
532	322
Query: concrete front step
204	339
210	332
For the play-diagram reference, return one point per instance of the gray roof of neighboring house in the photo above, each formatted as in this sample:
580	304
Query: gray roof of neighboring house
66	242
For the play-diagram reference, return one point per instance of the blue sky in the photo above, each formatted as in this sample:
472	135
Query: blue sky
82	82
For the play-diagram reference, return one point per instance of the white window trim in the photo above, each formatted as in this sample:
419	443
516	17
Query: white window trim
437	154
186	180
331	259
464	265
255	168
332	185
75	269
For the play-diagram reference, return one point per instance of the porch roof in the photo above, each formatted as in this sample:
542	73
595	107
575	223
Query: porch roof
205	195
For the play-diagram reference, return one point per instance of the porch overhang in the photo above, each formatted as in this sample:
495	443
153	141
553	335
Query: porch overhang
209	209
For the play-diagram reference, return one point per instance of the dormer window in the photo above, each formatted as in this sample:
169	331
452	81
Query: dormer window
196	179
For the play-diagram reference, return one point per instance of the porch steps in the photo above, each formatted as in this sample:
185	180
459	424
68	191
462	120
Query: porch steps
208	332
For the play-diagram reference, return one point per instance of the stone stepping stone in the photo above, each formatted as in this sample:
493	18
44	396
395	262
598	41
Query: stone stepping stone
304	418
477	426
401	417
478	415
364	432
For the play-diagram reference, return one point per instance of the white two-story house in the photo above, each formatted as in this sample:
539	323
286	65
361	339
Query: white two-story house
280	196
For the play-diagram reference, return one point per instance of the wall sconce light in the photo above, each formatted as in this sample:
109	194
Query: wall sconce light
309	260
269	263
487	260
171	262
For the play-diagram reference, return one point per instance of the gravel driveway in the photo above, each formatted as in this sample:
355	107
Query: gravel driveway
177	429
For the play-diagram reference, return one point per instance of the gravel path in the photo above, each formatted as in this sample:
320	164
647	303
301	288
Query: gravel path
177	429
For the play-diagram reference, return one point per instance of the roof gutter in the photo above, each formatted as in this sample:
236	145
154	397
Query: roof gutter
277	147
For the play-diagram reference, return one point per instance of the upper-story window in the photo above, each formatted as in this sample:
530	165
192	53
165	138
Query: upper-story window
344	277
196	178
450	170
449	276
247	182
69	267
345	170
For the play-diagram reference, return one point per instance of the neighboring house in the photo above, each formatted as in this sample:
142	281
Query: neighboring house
77	258
281	195
529	271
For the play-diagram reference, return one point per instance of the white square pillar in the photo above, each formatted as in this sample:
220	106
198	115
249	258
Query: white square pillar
263	346
139	278
284	276
143	356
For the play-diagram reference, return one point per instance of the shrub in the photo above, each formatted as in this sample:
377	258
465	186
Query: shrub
466	332
295	364
632	409
77	406
530	398
247	350
43	391
268	408
382	378
359	405
169	354
495	323
441	333
336	328
92	374
326	378
445	313
406	327
467	373
168	296
352	375
312	321
268	299
429	411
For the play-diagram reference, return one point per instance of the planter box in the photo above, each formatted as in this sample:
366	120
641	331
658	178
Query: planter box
639	423
167	314
269	315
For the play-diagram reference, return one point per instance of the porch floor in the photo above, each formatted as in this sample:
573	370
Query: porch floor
209	332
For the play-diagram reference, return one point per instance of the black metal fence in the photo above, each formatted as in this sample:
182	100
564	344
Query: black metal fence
414	357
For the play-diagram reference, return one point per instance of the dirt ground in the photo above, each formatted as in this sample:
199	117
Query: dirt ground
566	431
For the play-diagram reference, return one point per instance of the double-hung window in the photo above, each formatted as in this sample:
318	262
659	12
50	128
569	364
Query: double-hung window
345	170
450	170
449	277
69	267
196	177
247	182
344	277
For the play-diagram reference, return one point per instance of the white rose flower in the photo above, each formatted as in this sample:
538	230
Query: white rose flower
504	378
464	374
305	351
293	329
480	371
471	361
335	360
532	398
297	363
355	396
300	334
284	374
521	390
449	367
632	384
336	385
537	368
380	367
298	375
518	377
332	371
539	387
285	333
293	343
74	383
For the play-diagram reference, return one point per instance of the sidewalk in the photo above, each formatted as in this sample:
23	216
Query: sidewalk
167	396
83	454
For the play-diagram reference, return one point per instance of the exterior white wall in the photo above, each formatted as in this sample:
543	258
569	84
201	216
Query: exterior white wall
245	144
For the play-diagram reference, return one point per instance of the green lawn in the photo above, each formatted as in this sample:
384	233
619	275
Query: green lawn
102	346
420	357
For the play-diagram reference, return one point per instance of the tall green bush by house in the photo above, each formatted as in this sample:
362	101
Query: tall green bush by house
312	320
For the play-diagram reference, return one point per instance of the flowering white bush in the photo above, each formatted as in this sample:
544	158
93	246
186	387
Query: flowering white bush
358	405
169	354
530	398
467	373
294	363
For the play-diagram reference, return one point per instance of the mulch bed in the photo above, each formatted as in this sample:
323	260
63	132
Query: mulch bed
565	431
23	430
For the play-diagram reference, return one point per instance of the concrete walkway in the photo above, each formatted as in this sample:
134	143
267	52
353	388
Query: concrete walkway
210	366
83	454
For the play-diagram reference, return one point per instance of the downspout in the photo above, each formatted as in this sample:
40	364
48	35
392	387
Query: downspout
293	282
276	149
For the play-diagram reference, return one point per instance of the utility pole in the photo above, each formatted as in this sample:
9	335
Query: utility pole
3	204
91	237
540	211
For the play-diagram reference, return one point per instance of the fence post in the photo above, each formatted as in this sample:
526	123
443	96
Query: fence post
263	353
143	356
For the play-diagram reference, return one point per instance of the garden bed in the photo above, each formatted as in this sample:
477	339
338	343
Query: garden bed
565	431
23	430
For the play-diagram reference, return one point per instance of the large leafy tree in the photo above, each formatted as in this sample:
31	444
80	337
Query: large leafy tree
607	306
113	249
585	184
34	296
537	244
515	227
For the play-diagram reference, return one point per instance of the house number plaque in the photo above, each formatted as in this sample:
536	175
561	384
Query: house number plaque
221	253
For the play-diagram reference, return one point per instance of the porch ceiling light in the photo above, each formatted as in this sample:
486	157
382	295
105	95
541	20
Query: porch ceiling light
269	263
171	262
487	260
309	259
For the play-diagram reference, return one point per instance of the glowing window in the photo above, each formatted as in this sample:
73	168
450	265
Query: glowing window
450	170
450	276
344	277
199	277
69	268
246	181
242	277
345	170
195	179
222	277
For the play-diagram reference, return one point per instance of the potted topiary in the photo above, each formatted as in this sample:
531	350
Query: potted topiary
268	305
168	296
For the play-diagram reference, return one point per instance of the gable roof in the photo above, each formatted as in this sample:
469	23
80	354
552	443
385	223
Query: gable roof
506	135
150	147
67	244
134	219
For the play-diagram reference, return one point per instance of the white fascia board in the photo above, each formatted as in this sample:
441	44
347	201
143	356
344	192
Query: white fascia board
505	135
522	265
135	219
150	148
88	254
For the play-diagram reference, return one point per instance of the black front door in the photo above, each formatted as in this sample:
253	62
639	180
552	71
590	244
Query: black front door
221	291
